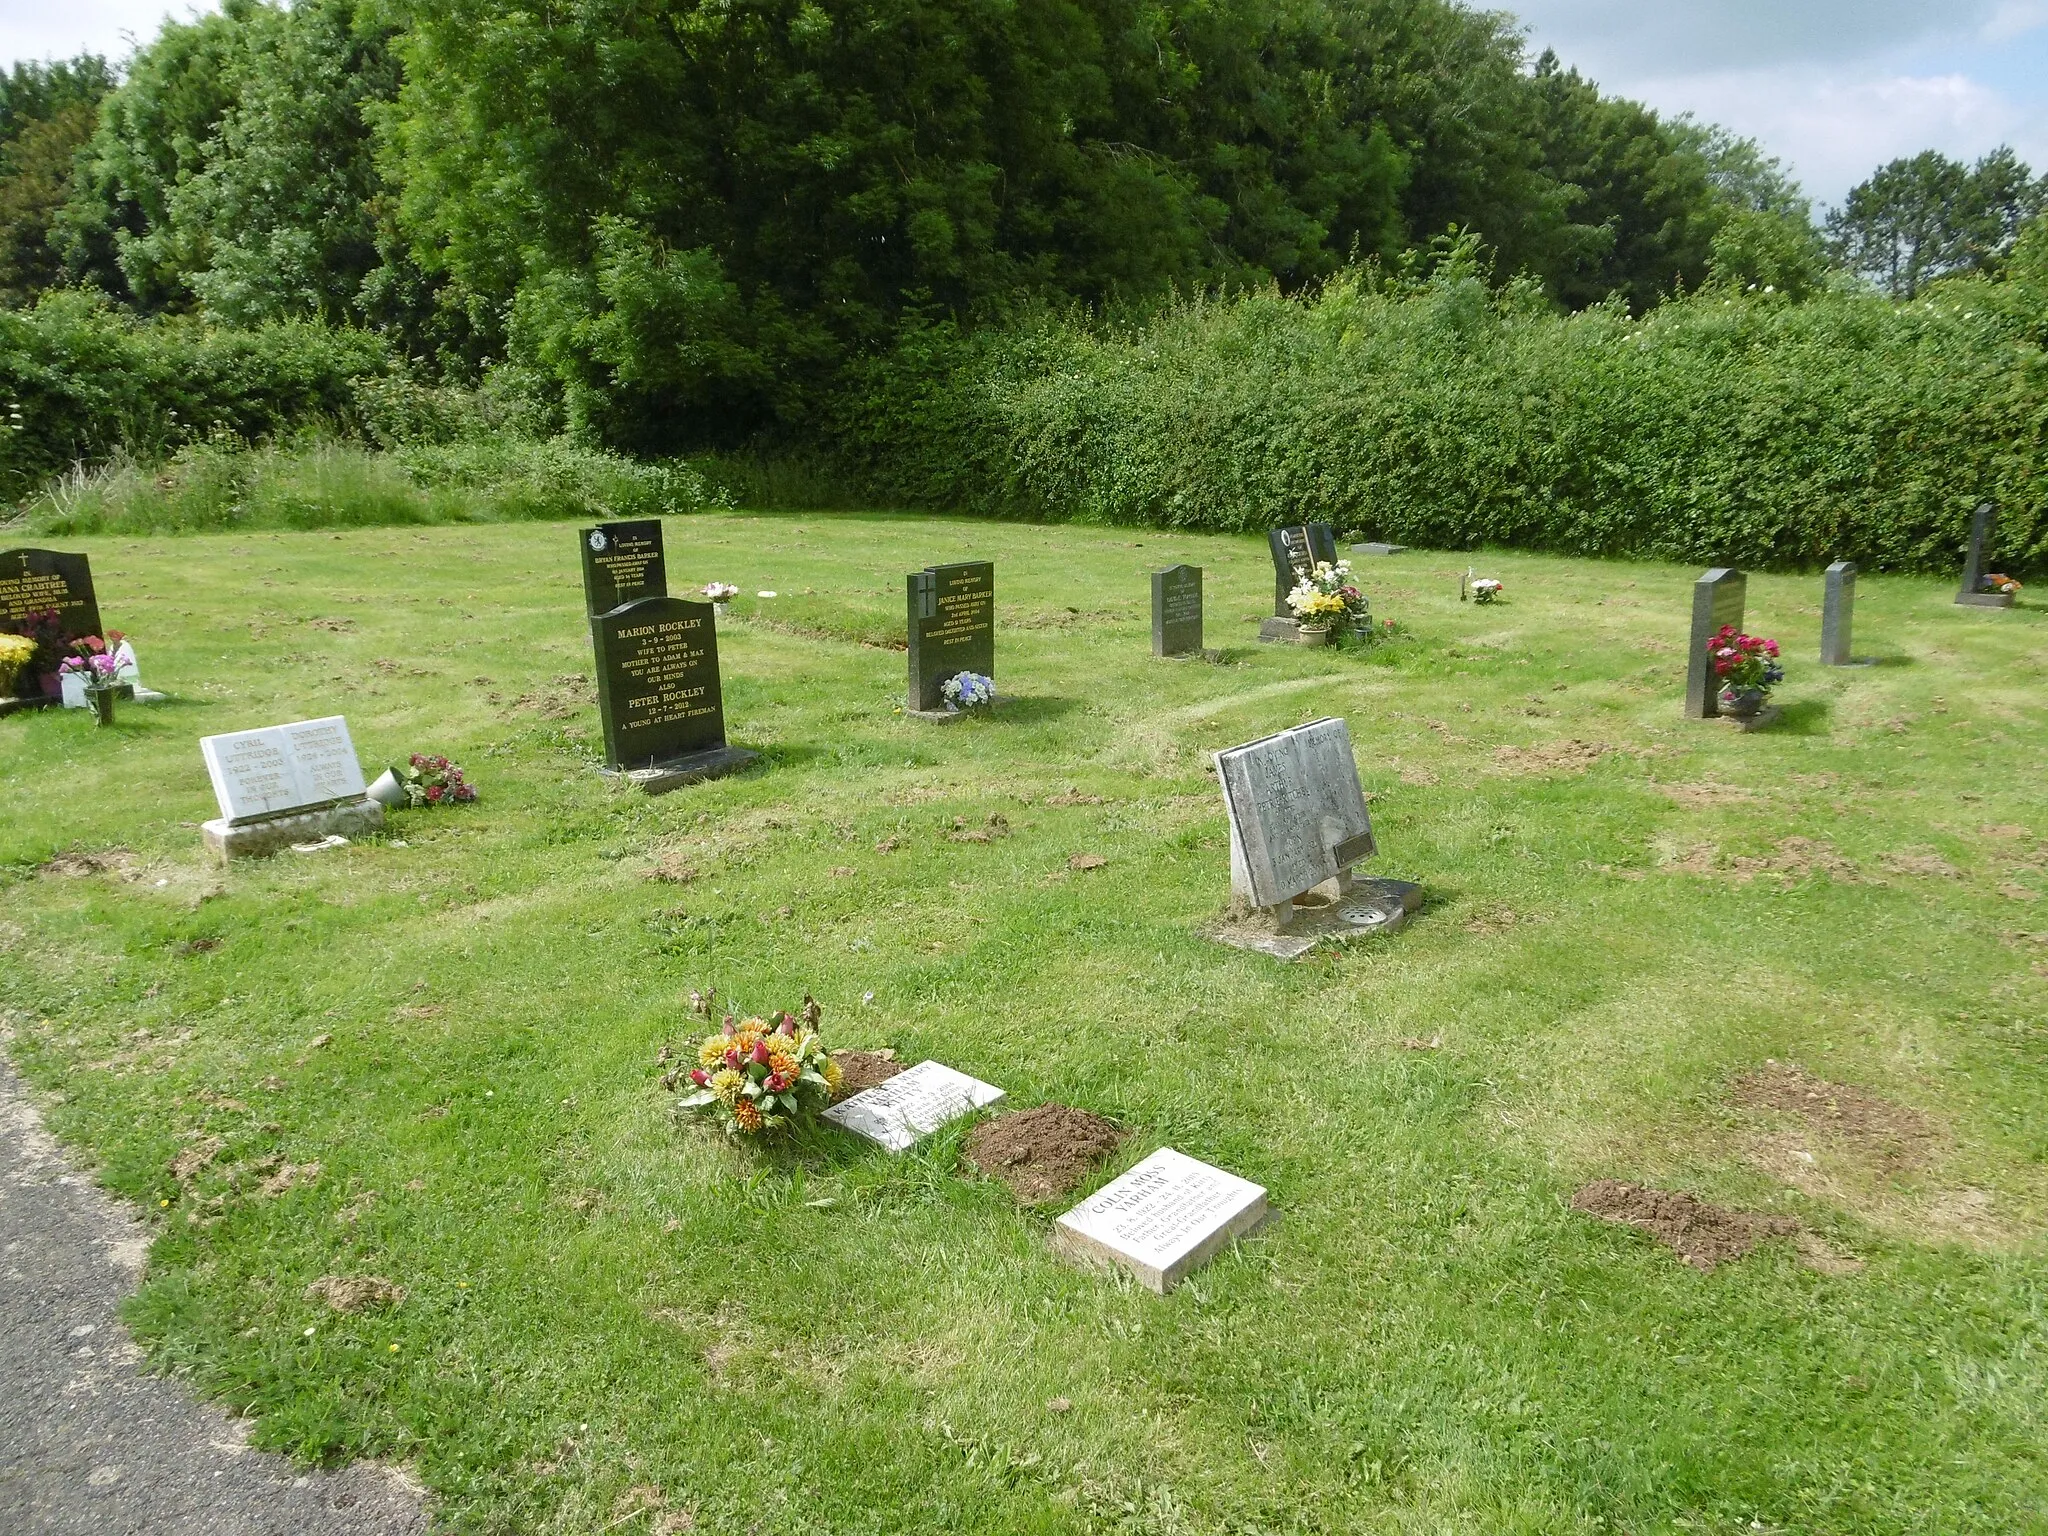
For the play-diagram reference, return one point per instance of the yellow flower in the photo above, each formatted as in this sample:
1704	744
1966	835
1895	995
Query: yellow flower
726	1084
746	1115
829	1070
712	1051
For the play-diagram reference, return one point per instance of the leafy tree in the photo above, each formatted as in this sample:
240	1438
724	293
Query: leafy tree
46	112
1929	216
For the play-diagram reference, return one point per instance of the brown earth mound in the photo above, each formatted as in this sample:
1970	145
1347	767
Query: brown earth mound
1890	1134
1560	757
1703	1235
355	1293
1044	1152
108	861
861	1070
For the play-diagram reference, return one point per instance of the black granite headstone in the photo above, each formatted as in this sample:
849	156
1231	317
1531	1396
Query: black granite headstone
952	627
622	563
1837	613
1297	551
1177	611
657	682
34	581
1983	532
1717	599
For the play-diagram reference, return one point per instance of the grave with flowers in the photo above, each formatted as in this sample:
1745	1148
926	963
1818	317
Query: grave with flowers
1297	551
47	605
951	615
1981	587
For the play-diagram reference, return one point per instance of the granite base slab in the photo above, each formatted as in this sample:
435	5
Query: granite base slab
260	839
1369	907
1984	599
1279	631
947	716
694	768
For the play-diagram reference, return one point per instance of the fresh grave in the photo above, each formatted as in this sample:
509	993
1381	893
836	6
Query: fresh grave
658	695
1177	611
622	563
1296	551
1837	615
1164	1218
1982	588
284	785
1298	824
896	1114
1717	603
951	630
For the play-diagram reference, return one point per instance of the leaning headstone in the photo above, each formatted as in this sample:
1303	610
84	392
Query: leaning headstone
658	695
898	1113
285	784
1161	1220
1837	613
1296	551
1983	532
622	563
1298	824
1177	611
952	629
1717	600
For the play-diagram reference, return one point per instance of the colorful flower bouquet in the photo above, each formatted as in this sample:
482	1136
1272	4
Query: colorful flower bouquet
757	1077
720	592
1747	667
16	652
429	780
1994	582
1485	589
969	690
1326	600
44	631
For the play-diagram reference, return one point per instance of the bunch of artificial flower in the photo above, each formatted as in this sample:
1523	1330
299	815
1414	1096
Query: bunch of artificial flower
16	651
91	660
1485	589
968	690
759	1076
1744	661
720	591
1326	598
1997	583
434	781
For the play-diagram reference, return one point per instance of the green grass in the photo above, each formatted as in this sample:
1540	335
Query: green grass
826	1338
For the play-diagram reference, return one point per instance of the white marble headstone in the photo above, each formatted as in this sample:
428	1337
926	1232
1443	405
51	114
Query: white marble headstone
912	1104
1164	1218
282	768
1297	812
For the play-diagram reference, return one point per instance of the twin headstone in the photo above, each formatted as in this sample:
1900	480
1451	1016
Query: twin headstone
39	581
952	628
1177	611
285	784
1977	558
1717	599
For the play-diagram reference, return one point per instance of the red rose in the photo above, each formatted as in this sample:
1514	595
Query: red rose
732	1057
761	1052
700	1077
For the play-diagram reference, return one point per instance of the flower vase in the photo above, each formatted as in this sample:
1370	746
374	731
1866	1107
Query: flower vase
1742	703
102	700
389	790
719	610
1307	634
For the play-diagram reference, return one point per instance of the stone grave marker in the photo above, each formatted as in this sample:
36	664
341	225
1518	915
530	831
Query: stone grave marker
1976	560
952	615
1167	1216
1838	610
899	1112
1298	824
1296	551
658	695
622	563
35	581
1177	611
285	784
1717	599
1376	547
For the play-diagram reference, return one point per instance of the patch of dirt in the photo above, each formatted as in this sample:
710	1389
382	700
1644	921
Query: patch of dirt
672	872
288	1176
74	866
1559	757
2012	891
1797	858
888	845
1042	1153
1920	861
196	1159
332	626
567	695
1086	861
1887	1134
355	1293
862	1070
1705	796
1074	797
1703	1235
1420	777
1491	920
1697	859
998	825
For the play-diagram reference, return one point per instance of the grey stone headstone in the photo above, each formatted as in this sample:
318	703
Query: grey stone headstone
952	627
1375	547
1177	611
1717	599
1838	610
38	581
1164	1218
658	694
1296	552
1983	535
1297	813
622	563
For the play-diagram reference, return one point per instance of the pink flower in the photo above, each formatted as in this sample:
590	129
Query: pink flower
699	1076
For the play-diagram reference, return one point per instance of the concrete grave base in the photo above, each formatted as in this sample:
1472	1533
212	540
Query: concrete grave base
1284	630
947	716
1984	599
1379	549
259	839
1370	906
1761	720
693	768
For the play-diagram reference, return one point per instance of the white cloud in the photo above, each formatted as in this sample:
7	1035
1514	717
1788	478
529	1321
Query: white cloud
38	29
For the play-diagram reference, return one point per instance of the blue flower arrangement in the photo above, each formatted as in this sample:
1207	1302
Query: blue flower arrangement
969	690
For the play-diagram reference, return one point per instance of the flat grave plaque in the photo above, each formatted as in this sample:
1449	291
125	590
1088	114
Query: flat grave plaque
952	628
1177	611
622	563
281	769
1164	1218
911	1105
1297	550
1717	599
658	695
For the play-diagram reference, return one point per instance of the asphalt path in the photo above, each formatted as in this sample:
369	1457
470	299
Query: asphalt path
89	1444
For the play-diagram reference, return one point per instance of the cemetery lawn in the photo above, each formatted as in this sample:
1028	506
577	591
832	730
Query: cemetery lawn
611	1322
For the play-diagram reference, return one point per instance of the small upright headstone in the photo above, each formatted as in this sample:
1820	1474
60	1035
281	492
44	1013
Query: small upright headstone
34	582
658	695
952	629
1976	560
897	1113
1177	611
1838	611
622	563
1717	600
1165	1217
285	784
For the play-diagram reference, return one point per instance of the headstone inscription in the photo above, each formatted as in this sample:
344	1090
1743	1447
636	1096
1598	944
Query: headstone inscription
1177	611
1717	599
952	619
35	582
658	696
1164	1218
285	784
1837	613
897	1113
1298	824
1976	560
622	563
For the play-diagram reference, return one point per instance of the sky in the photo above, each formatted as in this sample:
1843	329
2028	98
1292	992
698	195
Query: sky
1834	88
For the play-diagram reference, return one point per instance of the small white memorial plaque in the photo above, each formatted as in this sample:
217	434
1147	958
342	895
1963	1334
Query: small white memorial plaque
281	769
912	1104
1165	1217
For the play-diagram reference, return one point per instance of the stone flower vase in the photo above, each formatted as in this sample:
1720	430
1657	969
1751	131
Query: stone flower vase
1742	703
1308	634
102	705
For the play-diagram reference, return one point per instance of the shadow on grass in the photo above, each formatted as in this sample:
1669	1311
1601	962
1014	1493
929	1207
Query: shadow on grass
1808	717
1027	708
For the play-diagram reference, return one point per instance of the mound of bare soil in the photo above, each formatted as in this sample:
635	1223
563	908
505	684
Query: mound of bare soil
355	1293
861	1070
1889	1134
75	865
1044	1152
1701	1234
1558	757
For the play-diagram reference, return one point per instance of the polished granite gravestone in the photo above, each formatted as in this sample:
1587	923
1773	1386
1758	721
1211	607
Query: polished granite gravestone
1296	551
285	784
34	581
1298	824
901	1111
1167	1216
1983	531
1177	611
1718	598
1837	614
622	563
658	696
952	629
